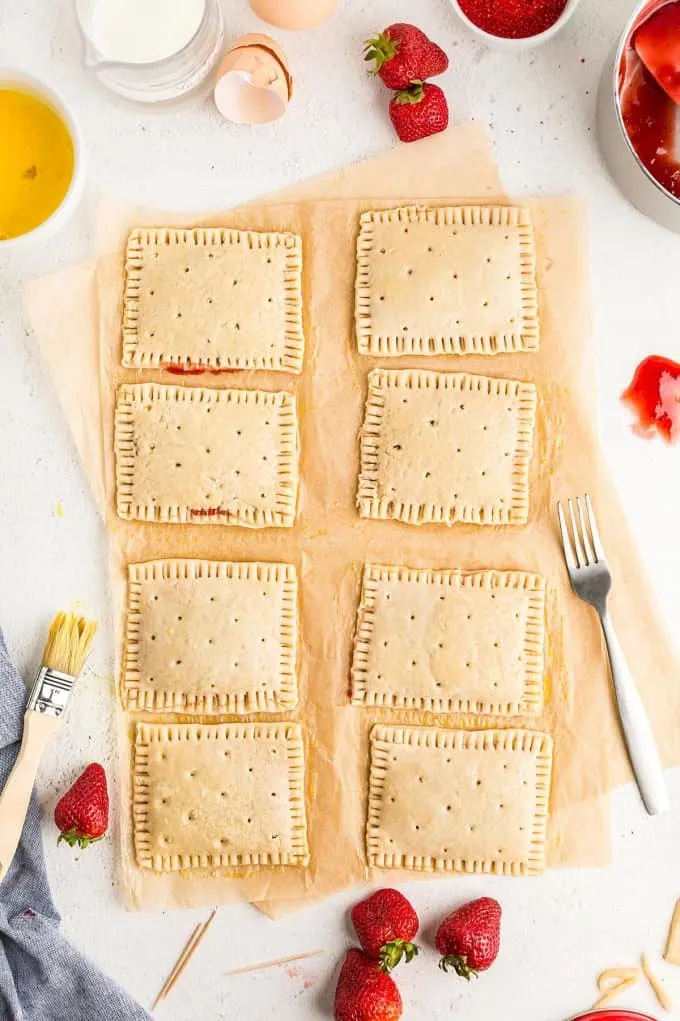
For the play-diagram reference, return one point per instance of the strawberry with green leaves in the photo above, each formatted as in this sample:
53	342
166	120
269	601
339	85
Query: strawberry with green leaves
419	111
364	992
82	814
469	938
403	54
386	925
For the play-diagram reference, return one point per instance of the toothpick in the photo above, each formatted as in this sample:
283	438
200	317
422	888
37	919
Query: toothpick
187	953
275	964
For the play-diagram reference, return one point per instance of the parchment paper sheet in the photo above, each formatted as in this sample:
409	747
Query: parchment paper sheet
330	543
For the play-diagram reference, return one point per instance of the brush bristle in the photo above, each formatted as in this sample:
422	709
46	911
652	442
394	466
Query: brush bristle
68	643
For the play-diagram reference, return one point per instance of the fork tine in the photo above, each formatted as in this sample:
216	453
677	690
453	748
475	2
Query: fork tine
566	541
590	556
580	557
597	543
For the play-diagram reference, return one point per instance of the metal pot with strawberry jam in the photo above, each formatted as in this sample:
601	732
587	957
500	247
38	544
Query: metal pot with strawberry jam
639	112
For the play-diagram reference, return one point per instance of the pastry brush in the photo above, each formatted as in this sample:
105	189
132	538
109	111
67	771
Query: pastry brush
67	646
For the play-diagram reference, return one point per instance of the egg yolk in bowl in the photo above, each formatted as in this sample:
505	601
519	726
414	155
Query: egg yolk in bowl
37	162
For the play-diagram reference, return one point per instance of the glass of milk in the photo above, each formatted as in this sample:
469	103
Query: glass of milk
151	51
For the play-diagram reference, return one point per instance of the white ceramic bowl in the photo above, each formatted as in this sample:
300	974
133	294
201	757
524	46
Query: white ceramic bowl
517	45
12	76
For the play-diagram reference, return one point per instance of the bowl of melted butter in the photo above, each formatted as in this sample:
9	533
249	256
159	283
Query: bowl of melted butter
41	164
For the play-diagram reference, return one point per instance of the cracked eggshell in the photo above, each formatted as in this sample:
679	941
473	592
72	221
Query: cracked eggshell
253	84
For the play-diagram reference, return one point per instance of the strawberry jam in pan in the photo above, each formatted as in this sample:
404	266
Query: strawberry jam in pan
638	111
649	89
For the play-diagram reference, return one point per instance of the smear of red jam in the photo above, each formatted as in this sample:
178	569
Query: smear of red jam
649	113
192	370
207	512
654	397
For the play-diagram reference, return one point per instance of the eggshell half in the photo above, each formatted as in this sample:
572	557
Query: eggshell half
253	83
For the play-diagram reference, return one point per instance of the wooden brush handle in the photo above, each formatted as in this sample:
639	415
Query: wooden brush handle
38	731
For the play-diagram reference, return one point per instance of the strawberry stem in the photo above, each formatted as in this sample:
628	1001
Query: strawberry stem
459	964
413	94
380	48
392	953
73	837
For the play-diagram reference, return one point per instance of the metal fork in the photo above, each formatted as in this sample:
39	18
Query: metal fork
592	581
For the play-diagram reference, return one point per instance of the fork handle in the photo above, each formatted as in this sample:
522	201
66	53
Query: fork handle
637	730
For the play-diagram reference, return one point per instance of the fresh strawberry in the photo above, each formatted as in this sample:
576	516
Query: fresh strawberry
364	993
419	111
469	938
82	815
386	925
403	54
657	43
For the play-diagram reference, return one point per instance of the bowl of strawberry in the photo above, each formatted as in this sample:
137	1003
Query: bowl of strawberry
514	25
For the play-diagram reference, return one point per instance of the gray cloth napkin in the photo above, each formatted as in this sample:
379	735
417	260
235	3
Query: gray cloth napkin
42	977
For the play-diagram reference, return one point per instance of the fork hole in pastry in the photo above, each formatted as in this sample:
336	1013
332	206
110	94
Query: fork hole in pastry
186	269
153	638
410	272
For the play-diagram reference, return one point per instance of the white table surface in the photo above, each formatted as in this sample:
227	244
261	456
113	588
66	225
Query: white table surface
539	107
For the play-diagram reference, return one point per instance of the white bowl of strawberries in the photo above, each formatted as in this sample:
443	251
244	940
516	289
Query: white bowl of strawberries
404	59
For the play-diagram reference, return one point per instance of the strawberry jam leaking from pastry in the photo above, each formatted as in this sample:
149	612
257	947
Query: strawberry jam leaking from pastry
654	397
192	370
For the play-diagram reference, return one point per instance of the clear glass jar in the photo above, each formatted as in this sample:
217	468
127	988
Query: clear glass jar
160	81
